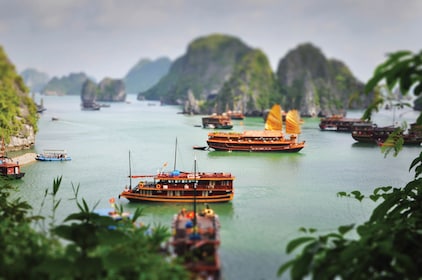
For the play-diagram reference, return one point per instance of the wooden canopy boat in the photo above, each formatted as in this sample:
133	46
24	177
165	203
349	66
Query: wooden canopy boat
235	115
217	121
181	187
371	133
272	139
178	186
196	239
338	123
9	168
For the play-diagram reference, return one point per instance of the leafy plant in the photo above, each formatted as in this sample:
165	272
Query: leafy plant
387	246
85	246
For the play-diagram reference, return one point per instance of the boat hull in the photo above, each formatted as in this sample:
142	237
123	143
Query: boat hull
13	176
164	197
52	159
256	147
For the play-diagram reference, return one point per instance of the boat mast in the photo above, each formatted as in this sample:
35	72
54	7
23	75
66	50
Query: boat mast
130	173
195	182
175	155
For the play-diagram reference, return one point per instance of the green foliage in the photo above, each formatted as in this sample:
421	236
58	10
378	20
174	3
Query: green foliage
387	246
16	107
96	247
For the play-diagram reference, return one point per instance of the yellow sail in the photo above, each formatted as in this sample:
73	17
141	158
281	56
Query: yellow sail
274	121
293	122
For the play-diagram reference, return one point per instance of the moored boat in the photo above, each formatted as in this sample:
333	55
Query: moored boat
235	115
196	240
8	167
371	133
338	123
53	155
217	121
272	139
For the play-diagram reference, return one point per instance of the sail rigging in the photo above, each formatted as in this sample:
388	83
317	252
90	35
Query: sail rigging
274	121
293	122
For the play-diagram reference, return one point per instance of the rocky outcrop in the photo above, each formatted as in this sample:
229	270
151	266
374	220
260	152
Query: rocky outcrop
145	74
316	85
108	90
111	90
221	72
66	85
25	139
18	112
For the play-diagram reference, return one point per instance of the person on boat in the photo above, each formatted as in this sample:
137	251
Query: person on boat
183	212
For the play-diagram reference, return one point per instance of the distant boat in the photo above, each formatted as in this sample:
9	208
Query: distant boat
90	105
217	121
196	239
235	115
338	123
178	186
53	155
9	168
371	133
272	139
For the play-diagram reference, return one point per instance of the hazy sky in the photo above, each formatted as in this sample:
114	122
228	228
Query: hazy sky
105	38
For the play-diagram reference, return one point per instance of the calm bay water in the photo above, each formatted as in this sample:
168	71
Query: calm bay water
275	194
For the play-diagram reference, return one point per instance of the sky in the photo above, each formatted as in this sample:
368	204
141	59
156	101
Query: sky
106	38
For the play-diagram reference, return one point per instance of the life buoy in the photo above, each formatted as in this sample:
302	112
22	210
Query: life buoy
158	186
141	184
190	215
209	212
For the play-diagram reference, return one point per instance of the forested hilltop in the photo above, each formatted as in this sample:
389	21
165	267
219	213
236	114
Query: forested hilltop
220	72
18	112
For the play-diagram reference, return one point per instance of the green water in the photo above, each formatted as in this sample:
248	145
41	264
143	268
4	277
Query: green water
275	194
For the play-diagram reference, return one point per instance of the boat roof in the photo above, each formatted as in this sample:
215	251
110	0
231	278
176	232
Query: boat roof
251	133
52	151
181	175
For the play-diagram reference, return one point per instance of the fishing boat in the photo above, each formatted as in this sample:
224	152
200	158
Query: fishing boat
178	186
195	240
338	123
235	115
371	133
272	139
9	168
53	155
217	121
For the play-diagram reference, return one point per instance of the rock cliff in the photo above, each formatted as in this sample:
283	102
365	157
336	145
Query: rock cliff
109	90
18	112
209	63
316	85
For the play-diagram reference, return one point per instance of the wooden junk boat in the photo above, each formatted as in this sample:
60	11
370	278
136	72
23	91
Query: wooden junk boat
217	121
9	168
178	186
196	239
371	133
338	123
272	139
